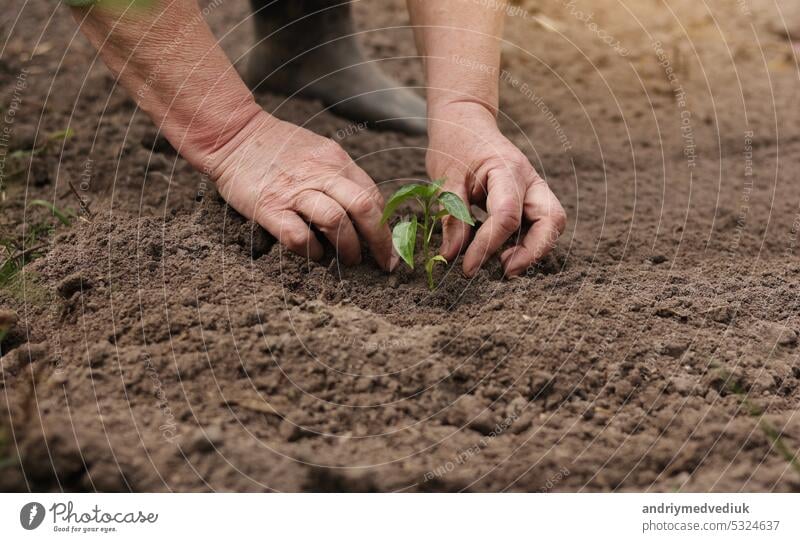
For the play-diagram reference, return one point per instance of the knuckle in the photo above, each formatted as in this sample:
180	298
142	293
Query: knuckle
365	204
508	218
511	162
559	217
520	163
332	217
535	178
264	201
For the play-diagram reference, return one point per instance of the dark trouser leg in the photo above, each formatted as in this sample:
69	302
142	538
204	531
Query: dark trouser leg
303	36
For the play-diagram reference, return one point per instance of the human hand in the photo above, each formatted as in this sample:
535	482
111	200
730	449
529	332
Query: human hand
485	169
285	177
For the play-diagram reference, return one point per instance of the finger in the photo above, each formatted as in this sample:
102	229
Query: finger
504	203
548	222
455	233
360	177
365	209
291	232
332	220
538	242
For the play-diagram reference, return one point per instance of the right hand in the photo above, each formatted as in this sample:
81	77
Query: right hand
285	177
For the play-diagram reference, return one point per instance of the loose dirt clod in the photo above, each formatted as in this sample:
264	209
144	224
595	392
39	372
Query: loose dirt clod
674	347
73	284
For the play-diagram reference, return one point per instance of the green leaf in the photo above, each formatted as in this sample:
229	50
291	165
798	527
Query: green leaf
456	207
429	268
403	193
19	154
433	188
404	239
27	153
430	263
60	215
63	134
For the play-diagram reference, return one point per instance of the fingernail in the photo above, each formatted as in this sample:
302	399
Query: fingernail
445	248
394	261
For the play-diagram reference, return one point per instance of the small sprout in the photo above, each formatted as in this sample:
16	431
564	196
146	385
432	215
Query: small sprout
435	206
15	253
62	216
61	135
26	154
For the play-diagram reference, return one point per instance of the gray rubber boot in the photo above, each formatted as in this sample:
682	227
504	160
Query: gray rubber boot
320	66
786	22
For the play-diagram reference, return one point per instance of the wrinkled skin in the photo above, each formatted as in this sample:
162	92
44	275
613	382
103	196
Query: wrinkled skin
285	177
485	169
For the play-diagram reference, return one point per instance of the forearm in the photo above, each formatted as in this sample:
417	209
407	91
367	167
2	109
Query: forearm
168	60
460	41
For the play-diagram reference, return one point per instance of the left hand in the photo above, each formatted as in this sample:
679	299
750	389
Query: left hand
486	169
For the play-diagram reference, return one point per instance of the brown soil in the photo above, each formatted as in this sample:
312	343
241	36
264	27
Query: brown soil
166	344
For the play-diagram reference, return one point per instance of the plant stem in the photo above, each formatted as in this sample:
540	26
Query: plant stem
426	231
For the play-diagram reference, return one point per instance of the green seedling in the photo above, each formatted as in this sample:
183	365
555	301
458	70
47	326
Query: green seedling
436	204
62	216
61	135
20	155
16	253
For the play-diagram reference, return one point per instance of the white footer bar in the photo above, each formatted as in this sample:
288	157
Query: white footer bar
401	517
